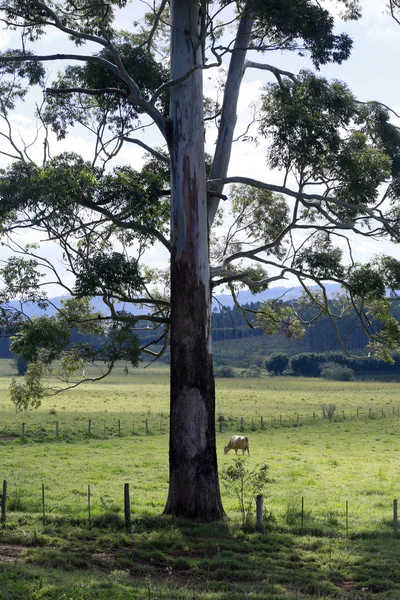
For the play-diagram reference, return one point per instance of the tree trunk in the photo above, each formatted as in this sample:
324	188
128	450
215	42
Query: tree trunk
193	485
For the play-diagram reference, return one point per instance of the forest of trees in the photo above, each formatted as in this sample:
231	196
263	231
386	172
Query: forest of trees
238	345
229	324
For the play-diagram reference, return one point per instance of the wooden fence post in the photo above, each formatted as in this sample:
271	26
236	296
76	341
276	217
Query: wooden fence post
23	431
302	512
89	427
43	504
119	427
88	500
259	512
127	505
347	518
262	422
220	419
241	423
395	524
4	502
57	428
147	426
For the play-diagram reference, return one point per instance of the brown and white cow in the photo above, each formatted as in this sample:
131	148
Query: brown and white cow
238	442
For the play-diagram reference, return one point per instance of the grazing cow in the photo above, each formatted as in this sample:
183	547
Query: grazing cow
238	442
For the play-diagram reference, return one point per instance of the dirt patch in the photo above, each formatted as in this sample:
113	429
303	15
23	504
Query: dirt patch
348	585
11	553
103	557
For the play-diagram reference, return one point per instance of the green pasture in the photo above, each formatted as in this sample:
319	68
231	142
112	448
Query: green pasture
314	462
326	463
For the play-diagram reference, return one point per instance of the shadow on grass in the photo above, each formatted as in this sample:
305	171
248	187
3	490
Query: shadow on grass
162	557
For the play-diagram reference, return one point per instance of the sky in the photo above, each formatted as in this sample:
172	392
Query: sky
371	73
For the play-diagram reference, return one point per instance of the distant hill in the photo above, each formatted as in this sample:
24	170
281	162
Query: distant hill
245	297
286	293
236	344
32	310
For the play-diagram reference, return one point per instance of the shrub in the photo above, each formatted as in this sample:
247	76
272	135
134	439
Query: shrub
224	372
245	485
308	364
277	362
328	411
253	371
336	372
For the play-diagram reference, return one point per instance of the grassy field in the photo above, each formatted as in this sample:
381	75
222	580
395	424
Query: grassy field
353	458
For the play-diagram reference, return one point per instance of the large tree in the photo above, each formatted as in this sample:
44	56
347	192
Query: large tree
333	152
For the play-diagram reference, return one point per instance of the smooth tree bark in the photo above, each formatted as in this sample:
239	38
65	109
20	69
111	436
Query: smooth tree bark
223	148
193	485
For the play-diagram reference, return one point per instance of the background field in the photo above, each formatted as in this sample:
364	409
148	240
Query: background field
325	462
354	458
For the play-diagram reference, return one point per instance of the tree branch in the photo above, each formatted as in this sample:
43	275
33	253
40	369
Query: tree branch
155	153
362	208
394	5
47	57
178	80
277	72
220	164
127	225
135	95
88	92
58	24
155	24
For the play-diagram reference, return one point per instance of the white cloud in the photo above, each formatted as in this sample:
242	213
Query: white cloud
26	136
19	119
249	93
5	37
157	256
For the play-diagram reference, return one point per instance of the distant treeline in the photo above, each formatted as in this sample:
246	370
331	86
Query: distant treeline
329	365
311	364
251	346
230	324
75	337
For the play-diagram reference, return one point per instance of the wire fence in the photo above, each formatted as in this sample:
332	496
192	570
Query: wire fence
299	519
299	515
327	412
43	428
82	427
